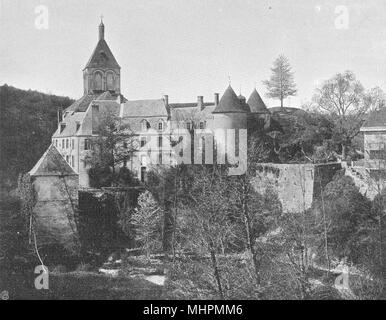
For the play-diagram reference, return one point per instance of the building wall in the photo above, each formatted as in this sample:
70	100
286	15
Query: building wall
374	141
230	120
55	219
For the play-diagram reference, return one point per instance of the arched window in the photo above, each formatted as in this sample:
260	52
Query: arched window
110	80
98	81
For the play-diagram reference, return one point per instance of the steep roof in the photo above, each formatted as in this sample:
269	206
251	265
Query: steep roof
52	164
230	103
145	108
102	57
376	119
256	104
82	104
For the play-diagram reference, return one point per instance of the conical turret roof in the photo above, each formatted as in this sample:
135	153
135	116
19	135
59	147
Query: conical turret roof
230	103
51	164
256	104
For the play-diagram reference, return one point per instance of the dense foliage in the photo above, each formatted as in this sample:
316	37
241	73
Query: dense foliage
27	121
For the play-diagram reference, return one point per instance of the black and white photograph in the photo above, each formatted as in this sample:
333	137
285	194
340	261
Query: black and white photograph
206	152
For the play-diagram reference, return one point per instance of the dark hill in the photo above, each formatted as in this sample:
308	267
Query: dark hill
27	120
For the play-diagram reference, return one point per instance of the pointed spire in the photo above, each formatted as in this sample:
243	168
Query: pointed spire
256	104
101	29
229	103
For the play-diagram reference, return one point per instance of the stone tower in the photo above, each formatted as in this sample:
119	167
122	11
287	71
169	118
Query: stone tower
102	72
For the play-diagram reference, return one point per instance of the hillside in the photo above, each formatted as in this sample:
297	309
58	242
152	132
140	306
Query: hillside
27	121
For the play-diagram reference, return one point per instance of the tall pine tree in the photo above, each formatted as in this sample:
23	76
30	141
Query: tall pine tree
281	84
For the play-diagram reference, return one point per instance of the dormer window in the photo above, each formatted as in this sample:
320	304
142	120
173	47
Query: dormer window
188	125
62	127
160	125
145	125
77	126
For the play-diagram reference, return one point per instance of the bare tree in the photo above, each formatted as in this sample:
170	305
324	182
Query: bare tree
209	221
146	221
342	98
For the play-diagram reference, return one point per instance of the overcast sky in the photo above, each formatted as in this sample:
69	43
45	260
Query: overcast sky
189	48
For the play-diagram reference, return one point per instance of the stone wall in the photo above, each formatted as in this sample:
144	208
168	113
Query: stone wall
297	185
54	211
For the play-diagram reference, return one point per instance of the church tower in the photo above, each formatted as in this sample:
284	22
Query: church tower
102	71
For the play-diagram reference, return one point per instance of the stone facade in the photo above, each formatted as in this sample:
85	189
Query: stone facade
148	119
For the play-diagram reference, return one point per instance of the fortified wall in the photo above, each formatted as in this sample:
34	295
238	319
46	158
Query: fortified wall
296	185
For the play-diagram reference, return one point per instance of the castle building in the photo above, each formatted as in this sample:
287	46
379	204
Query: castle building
78	124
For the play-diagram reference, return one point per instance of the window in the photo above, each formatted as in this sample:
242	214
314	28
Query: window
143	160
143	141
145	125
73	144
110	81
56	142
160	142
202	125
72	161
97	81
160	125
67	140
160	158
87	144
188	125
67	158
77	126
143	174
63	143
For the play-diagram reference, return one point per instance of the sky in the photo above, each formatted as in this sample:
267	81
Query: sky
186	48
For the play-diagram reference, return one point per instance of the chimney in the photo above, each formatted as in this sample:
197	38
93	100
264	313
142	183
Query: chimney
216	99
60	114
200	102
166	99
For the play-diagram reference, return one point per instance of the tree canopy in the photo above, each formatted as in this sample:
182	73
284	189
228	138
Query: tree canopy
281	84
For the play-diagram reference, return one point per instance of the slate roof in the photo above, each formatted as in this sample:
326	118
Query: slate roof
230	103
70	120
189	104
51	164
102	57
145	108
376	119
82	104
256	104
